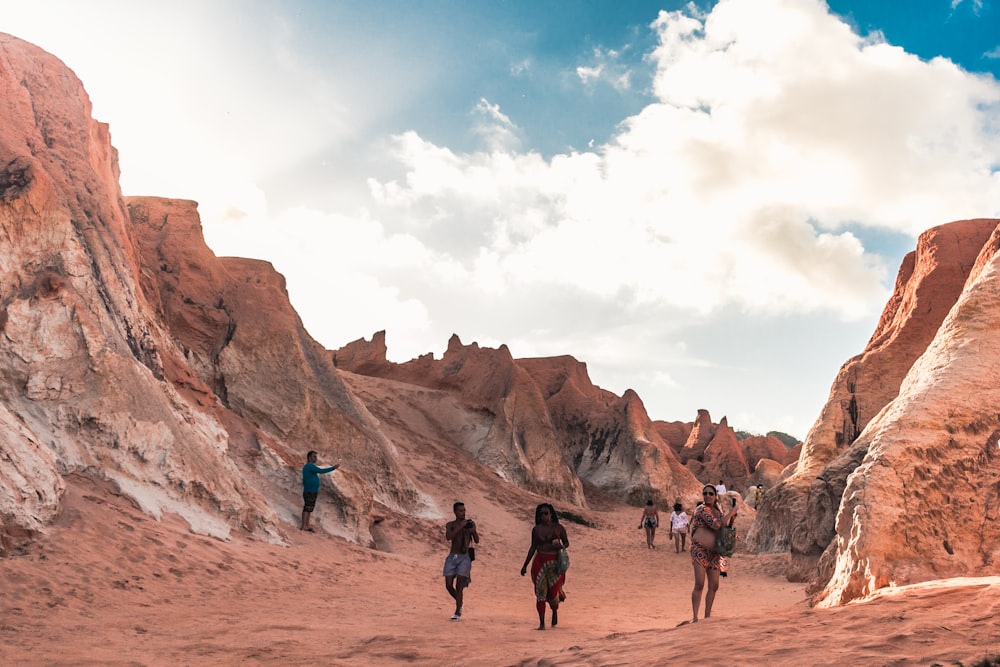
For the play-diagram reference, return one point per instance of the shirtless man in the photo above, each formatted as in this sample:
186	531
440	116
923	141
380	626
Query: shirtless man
462	534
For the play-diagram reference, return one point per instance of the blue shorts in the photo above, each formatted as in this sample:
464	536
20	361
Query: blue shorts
458	565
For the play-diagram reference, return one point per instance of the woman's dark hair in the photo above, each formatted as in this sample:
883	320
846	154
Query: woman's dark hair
649	502
678	507
552	513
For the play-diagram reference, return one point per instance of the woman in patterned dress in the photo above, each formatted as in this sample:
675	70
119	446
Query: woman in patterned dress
708	563
548	536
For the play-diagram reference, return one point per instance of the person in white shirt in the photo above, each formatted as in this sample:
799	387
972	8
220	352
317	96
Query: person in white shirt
679	526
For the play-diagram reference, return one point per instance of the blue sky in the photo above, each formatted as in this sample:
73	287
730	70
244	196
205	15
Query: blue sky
706	202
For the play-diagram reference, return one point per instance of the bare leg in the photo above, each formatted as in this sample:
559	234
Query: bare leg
713	586
649	537
305	520
540	606
460	584
699	585
555	616
449	583
652	537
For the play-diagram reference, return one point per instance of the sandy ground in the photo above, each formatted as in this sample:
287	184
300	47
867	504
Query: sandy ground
107	585
110	586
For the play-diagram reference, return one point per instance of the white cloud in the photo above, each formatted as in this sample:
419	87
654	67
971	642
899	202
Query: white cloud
977	5
496	129
768	136
774	130
605	67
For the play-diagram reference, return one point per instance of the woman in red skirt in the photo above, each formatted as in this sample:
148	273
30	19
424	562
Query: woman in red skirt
547	537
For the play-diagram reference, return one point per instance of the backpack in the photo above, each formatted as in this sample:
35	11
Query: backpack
725	541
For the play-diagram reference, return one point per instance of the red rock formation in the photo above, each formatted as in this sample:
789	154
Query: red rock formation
520	443
800	513
723	459
674	434
760	447
141	359
922	498
701	434
575	429
267	370
611	441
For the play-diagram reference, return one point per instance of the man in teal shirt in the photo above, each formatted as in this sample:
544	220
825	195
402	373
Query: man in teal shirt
310	488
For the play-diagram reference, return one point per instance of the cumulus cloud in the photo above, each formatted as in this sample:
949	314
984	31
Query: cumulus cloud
767	138
741	194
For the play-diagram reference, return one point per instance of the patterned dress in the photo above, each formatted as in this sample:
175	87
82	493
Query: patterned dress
548	582
706	555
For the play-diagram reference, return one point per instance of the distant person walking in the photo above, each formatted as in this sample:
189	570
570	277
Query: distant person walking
720	489
679	527
310	488
650	521
547	537
462	534
758	497
708	563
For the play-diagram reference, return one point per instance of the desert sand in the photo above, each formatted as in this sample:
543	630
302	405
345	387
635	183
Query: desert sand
111	586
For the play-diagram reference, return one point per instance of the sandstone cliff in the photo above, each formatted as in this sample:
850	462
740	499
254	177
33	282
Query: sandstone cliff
131	354
924	499
808	511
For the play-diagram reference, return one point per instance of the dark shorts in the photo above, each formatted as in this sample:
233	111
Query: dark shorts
309	500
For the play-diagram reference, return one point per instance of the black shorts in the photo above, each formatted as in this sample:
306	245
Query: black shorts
309	500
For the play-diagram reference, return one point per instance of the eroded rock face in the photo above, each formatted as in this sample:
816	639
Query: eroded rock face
924	500
610	440
520	443
798	514
132	357
244	341
82	365
760	447
550	425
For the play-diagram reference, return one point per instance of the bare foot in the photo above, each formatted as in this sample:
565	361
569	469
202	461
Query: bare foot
555	618
540	627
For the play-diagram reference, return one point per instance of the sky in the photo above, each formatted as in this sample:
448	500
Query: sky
706	202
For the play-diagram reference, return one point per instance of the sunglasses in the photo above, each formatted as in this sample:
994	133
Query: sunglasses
708	493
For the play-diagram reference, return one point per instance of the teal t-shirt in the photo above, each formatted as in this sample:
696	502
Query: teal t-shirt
310	476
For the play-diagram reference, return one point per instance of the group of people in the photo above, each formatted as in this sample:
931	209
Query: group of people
679	522
548	538
709	517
